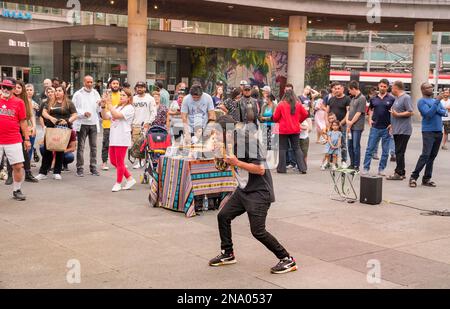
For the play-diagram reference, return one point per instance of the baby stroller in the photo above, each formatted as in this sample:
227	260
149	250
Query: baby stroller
155	145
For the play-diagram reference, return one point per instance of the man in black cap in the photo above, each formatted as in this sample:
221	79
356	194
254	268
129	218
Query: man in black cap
248	107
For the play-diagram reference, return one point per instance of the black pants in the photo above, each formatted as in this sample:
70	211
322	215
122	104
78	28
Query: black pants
47	159
105	145
431	144
401	143
256	205
91	133
298	154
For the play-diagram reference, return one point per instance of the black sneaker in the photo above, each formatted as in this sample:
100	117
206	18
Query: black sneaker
80	172
18	196
65	169
284	266
223	259
393	159
94	172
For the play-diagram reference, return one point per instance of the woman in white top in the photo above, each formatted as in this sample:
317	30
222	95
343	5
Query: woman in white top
120	135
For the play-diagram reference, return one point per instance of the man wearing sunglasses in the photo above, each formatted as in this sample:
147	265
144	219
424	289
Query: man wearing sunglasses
13	119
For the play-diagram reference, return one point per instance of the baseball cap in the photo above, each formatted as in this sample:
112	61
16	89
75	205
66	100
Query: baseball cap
140	84
267	89
243	83
247	87
8	82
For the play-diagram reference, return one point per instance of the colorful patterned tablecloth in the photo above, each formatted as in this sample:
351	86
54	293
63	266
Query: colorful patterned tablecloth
180	180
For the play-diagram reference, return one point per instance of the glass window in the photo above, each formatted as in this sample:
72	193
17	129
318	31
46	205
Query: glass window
86	18
99	19
154	23
112	20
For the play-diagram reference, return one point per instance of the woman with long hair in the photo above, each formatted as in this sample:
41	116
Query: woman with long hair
265	117
58	111
162	116
34	108
218	96
120	135
289	114
20	93
320	115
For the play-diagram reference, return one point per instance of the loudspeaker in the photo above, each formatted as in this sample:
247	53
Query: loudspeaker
371	191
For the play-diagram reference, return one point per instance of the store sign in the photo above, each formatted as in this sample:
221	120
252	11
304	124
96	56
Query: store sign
16	15
14	43
36	70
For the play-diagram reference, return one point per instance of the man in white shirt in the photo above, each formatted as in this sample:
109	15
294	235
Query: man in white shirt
86	101
144	112
446	120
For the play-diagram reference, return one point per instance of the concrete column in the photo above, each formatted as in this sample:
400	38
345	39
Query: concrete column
137	41
297	52
421	59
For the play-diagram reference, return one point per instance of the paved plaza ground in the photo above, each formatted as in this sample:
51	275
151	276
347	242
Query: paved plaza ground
122	243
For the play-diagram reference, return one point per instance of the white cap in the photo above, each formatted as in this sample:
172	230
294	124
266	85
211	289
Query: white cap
267	89
243	83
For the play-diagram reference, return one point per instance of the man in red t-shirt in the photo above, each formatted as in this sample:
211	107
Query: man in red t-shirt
12	120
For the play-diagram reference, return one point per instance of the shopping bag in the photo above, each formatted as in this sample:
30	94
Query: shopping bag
57	139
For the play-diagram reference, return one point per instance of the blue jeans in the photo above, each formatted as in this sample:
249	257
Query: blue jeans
354	148
374	138
30	152
391	148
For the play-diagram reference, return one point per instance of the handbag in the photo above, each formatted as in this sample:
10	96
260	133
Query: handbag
57	138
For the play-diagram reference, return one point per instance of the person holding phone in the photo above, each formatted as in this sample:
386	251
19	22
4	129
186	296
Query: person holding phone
121	118
112	92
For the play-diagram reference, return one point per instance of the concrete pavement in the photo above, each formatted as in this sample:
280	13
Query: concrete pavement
122	243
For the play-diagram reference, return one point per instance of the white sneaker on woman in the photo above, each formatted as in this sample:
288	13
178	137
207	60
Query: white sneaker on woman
129	184
57	177
117	187
41	177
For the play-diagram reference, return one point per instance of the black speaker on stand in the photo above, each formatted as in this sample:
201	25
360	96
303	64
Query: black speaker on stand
371	191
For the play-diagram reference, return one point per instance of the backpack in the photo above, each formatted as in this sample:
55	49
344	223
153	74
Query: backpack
136	150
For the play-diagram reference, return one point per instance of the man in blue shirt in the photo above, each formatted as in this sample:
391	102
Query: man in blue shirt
196	110
379	120
432	112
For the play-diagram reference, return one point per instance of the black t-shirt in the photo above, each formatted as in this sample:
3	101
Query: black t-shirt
338	106
252	183
59	113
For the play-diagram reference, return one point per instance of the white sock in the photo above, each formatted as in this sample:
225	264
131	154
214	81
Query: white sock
17	186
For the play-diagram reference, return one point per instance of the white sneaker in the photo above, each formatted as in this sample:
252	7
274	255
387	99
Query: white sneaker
381	173
105	167
130	184
137	166
323	167
117	187
344	165
41	177
57	177
365	172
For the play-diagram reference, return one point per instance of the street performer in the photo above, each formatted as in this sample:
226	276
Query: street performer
254	195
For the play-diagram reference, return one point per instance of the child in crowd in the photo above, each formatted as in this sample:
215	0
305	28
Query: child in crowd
306	127
333	146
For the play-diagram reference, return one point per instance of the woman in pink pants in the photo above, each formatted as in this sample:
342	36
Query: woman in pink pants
120	135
